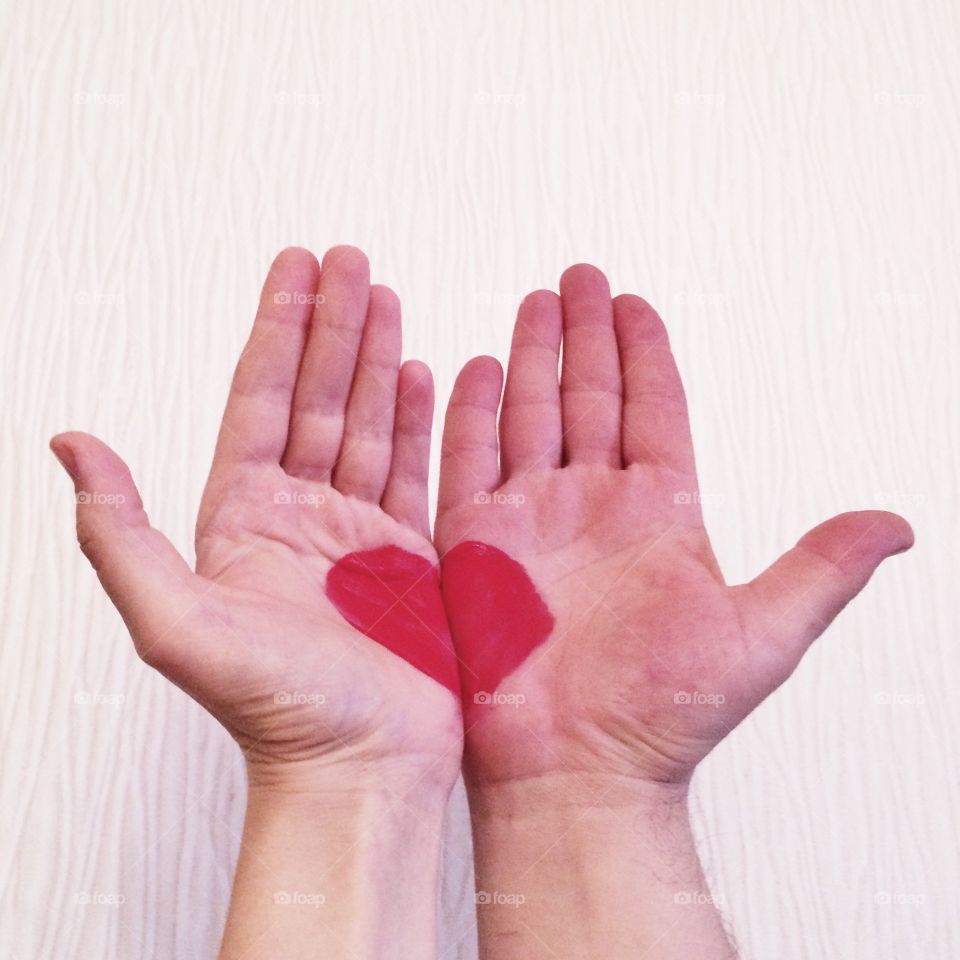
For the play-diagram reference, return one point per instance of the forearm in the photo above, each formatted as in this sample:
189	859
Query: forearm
573	869
337	869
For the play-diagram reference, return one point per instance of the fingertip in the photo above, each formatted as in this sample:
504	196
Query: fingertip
385	299
898	530
635	319
62	449
415	391
869	535
583	278
74	447
539	321
347	259
537	299
479	378
296	258
416	378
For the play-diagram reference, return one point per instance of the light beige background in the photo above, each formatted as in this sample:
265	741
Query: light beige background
780	179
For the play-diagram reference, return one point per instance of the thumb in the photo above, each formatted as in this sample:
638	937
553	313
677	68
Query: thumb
148	581
797	597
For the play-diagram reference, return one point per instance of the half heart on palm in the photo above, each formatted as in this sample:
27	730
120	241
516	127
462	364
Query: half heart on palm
587	482
322	455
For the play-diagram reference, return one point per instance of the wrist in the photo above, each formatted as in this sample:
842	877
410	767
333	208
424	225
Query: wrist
324	780
572	793
336	859
579	866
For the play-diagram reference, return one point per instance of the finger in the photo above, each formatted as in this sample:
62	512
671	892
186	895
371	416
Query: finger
255	421
795	599
655	427
148	581
327	369
469	455
364	459
590	386
405	496
530	422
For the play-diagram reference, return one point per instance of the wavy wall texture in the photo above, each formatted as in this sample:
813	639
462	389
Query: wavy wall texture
779	179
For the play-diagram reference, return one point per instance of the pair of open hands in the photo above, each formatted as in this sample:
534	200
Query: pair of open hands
616	647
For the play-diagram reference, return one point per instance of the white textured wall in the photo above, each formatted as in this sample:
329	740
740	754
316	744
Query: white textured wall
780	179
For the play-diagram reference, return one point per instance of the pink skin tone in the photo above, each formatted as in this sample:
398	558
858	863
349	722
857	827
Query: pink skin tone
328	437
323	453
577	771
588	496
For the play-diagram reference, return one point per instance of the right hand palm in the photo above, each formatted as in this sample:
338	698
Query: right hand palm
323	452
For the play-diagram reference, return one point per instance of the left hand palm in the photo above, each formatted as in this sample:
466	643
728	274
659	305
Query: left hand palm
652	658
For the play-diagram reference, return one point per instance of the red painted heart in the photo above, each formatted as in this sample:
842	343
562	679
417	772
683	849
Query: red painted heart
496	615
393	597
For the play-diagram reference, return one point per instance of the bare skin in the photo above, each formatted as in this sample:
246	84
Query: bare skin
653	658
350	751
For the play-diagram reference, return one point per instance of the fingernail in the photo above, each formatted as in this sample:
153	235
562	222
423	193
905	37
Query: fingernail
65	456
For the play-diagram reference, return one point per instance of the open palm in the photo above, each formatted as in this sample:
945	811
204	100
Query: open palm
323	452
589	483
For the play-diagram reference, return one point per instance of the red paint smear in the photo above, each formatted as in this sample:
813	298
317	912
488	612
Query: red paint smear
393	597
496	615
